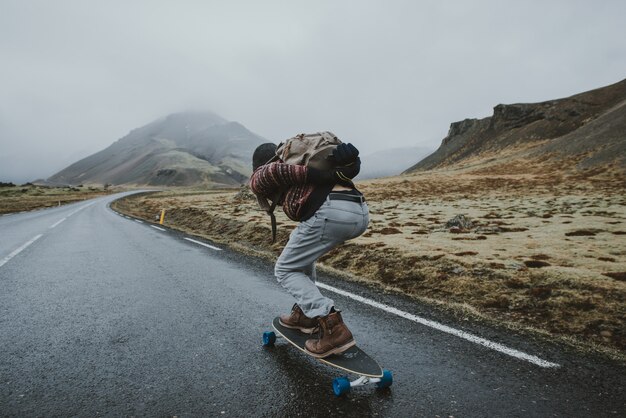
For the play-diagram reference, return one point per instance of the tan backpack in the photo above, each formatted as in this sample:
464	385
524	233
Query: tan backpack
311	150
308	149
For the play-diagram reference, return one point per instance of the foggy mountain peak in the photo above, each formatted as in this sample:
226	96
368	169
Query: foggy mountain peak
180	149
187	123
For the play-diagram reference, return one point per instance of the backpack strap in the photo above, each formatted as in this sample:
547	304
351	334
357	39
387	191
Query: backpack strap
273	218
270	212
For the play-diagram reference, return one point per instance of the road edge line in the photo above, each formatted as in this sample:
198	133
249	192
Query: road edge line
203	244
444	328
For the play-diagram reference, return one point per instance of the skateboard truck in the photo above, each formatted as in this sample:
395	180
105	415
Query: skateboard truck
342	385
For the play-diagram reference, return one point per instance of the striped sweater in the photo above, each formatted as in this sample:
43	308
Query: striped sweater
271	178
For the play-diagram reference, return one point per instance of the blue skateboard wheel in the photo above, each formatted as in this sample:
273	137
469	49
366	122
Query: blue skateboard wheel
269	338
341	386
386	380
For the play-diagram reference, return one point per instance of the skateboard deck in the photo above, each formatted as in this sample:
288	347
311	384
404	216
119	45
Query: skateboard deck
354	360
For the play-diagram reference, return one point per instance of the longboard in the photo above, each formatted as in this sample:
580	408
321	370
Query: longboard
354	360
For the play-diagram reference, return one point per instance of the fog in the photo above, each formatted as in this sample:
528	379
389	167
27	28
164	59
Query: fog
78	75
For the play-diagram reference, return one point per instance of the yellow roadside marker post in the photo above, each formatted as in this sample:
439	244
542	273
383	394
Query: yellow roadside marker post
162	216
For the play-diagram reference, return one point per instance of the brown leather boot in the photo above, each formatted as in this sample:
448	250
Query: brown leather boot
298	320
334	337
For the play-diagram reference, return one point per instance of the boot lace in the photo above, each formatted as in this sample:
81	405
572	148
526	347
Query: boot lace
319	330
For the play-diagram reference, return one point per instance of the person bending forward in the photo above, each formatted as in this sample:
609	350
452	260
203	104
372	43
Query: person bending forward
330	211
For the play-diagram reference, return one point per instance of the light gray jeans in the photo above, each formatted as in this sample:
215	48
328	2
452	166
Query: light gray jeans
335	222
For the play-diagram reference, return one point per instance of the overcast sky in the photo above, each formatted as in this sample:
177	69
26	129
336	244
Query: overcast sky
77	75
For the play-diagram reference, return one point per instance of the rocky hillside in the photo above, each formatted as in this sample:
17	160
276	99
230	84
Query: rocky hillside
584	132
182	149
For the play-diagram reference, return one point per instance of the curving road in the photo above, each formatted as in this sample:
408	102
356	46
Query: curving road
103	315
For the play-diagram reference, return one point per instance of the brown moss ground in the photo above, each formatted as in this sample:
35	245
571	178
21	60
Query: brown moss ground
518	263
30	197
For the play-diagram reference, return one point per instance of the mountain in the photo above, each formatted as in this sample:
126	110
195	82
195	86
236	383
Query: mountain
182	149
390	162
586	131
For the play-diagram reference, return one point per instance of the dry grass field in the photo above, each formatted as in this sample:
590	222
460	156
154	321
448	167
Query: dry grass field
538	252
30	197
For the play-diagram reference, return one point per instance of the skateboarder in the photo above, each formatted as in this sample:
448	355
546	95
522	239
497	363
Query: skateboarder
331	211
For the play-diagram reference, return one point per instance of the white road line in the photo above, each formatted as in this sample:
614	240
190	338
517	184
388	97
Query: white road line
80	208
156	227
203	244
444	328
19	250
57	223
137	220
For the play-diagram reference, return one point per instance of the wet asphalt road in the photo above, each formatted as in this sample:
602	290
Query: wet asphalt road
103	315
